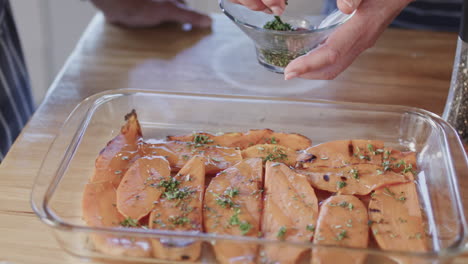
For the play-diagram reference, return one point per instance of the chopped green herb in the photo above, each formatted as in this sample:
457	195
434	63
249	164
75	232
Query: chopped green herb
245	227
310	228
178	220
370	148
231	192
341	235
401	220
281	233
273	139
354	173
364	157
386	165
185	157
118	172
392	194
129	222
400	163
172	190
409	168
201	139
276	154
224	201
234	220
341	184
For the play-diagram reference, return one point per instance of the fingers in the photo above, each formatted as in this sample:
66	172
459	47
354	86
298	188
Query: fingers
276	6
268	6
348	6
256	5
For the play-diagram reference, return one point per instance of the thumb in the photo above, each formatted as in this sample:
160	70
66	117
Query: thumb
348	6
183	14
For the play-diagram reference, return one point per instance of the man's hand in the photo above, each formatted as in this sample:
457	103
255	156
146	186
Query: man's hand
147	13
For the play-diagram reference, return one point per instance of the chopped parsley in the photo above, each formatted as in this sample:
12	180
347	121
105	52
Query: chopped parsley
201	139
343	204
310	228
245	227
224	201
370	148
388	192
387	165
276	154
364	157
341	184
342	235
129	222
172	190
278	24
354	173
234	220
231	192
281	232
178	220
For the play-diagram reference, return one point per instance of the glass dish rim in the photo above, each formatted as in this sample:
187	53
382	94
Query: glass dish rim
44	212
277	32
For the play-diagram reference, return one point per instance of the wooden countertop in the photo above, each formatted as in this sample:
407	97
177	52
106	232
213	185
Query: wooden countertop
405	67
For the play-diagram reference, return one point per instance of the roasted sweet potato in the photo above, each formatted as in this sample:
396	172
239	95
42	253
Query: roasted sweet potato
180	208
114	160
290	212
233	203
250	138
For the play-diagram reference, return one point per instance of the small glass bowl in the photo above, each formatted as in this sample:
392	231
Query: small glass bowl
275	49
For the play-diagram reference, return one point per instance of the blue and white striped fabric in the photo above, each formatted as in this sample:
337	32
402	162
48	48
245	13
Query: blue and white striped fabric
16	105
438	15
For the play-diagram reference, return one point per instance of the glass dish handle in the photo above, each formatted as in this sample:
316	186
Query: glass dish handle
60	150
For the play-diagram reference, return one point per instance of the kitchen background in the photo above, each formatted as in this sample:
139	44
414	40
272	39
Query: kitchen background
50	29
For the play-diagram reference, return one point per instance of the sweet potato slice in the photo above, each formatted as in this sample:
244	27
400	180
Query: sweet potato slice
290	212
250	138
397	221
290	140
139	189
359	179
178	154
270	152
180	208
231	139
114	160
99	210
340	153
233	202
343	221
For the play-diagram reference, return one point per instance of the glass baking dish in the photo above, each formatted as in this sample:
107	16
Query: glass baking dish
57	193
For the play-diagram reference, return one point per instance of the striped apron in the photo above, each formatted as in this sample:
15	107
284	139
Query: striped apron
16	105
